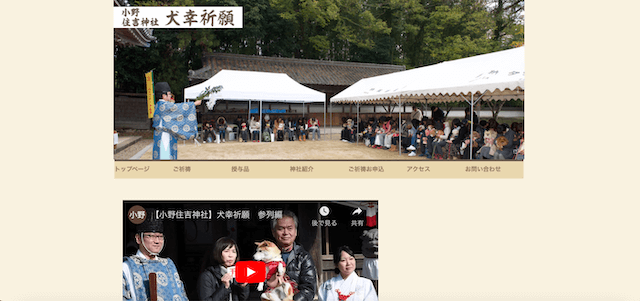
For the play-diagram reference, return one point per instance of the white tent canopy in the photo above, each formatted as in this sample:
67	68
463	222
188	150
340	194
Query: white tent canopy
257	86
498	75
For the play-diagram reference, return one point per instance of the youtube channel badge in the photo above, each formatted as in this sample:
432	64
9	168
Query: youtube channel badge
250	271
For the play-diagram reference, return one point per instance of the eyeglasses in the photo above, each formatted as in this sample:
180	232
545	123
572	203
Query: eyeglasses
154	236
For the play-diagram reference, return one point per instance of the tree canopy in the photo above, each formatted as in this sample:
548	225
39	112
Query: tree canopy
413	33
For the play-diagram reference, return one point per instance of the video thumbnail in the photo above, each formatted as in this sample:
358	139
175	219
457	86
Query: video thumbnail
250	250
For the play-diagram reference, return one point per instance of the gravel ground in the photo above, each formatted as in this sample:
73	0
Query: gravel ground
282	150
325	149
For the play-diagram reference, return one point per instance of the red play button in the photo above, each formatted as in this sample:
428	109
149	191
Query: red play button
251	272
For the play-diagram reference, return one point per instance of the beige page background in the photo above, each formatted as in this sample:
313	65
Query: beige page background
568	231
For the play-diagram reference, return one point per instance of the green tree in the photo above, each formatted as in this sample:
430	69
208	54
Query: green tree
457	31
411	32
169	62
279	38
333	29
508	29
434	31
130	65
414	31
358	34
308	18
176	51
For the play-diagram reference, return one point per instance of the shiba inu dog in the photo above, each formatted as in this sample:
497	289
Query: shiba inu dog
269	253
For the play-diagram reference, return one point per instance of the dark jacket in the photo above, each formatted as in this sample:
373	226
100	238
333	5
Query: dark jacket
211	288
302	270
370	243
507	150
437	115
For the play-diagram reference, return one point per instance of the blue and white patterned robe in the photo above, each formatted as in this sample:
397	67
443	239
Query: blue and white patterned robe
178	121
170	287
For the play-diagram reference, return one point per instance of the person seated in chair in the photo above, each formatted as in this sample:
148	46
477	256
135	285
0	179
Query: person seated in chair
268	124
254	127
314	128
302	129
280	129
345	134
208	132
506	151
290	129
244	131
221	123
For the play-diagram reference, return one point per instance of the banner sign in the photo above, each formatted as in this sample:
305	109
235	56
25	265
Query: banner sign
150	96
177	17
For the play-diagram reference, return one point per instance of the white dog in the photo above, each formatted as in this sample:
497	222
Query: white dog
269	253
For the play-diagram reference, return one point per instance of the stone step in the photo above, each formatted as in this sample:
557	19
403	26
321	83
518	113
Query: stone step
124	142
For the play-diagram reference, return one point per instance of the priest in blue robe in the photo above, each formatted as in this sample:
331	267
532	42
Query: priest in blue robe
137	269
171	122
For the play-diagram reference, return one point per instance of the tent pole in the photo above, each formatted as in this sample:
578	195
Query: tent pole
248	114
331	120
399	125
472	103
324	124
471	132
357	122
260	137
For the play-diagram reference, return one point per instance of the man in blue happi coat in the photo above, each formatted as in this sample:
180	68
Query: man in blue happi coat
171	122
136	268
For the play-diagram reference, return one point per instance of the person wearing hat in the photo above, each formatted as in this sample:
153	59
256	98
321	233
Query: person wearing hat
171	122
137	268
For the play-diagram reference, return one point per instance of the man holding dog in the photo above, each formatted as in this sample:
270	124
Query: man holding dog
299	265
